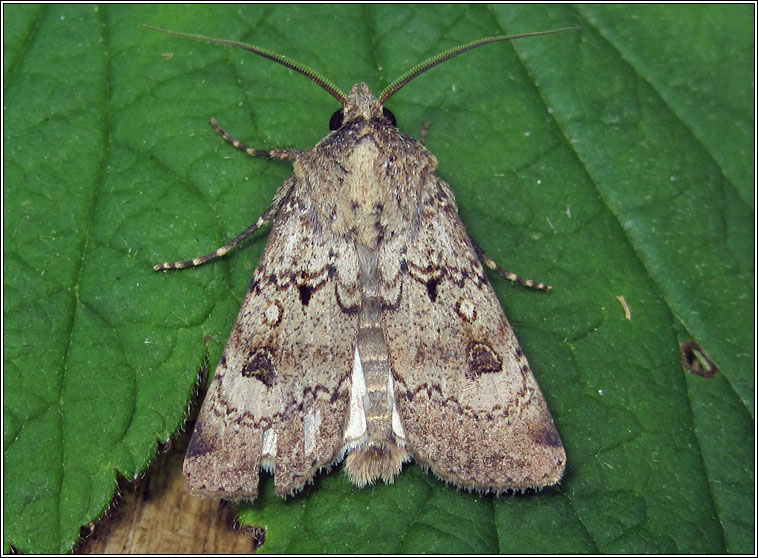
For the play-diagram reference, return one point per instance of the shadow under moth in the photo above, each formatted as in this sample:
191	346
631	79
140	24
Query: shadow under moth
370	330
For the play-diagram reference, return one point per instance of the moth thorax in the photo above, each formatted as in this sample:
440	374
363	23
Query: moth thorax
361	103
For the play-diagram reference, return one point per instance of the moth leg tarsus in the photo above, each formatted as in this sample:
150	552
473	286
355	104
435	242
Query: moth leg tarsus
290	154
264	219
509	275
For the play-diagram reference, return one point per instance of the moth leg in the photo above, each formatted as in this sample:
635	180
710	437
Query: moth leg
264	219
491	264
290	154
424	132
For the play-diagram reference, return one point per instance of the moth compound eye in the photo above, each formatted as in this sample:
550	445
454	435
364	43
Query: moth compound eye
389	116
335	122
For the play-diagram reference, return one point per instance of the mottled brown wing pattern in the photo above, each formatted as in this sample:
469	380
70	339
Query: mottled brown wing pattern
470	406
280	394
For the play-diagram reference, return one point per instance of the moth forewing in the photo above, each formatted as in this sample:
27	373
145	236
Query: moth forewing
369	328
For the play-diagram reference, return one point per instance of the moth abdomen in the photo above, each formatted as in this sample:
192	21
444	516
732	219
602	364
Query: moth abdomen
376	452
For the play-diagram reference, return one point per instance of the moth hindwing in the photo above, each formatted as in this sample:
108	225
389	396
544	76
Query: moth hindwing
369	329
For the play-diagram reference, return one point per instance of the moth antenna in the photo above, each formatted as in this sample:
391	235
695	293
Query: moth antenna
312	75
419	69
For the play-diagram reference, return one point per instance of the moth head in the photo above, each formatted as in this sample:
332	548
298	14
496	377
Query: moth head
361	103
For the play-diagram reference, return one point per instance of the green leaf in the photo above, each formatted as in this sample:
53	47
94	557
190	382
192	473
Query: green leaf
612	161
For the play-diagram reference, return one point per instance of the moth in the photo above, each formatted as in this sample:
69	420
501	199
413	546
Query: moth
370	330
